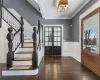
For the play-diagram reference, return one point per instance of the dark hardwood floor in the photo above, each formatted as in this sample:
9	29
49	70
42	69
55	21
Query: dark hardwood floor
58	68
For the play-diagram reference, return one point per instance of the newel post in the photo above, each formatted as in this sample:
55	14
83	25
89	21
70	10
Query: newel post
39	28
10	55
35	54
22	32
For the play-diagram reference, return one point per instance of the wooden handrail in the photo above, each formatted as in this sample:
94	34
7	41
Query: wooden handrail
17	32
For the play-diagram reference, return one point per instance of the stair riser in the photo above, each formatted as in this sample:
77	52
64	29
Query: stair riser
28	45
19	72
28	40
26	49
22	55
21	63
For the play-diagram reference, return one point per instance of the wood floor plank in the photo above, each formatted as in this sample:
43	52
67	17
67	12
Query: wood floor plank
59	68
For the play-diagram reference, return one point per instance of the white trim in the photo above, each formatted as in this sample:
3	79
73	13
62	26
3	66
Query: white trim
58	17
62	35
80	8
19	72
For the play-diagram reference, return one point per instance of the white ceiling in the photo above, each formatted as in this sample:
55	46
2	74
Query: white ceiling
49	10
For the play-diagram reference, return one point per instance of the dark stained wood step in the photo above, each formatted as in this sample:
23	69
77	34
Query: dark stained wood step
23	59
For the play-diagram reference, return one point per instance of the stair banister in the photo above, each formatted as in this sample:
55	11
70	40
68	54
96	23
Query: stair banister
22	32
35	54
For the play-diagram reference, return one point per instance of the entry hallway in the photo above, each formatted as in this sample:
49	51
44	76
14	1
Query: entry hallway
58	68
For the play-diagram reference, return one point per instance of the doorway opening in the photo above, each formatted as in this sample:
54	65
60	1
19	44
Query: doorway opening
52	40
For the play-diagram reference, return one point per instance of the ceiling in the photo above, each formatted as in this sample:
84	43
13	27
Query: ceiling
49	10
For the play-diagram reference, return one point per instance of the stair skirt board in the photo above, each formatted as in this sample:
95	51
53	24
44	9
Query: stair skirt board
19	72
22	55
20	63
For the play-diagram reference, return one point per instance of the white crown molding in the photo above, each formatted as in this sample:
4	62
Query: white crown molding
57	17
41	10
67	17
80	8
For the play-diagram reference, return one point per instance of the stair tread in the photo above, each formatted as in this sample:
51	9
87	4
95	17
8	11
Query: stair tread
23	59
27	47
25	52
29	42
20	67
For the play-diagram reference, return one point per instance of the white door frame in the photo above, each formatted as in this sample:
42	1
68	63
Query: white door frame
61	33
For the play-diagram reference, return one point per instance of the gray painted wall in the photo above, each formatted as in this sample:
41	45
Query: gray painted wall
32	16
67	28
35	5
24	9
75	21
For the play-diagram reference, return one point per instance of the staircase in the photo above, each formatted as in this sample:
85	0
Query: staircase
22	63
22	56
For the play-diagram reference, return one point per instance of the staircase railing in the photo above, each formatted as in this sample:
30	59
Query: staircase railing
15	36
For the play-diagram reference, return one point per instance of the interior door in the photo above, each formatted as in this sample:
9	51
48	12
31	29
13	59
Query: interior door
53	40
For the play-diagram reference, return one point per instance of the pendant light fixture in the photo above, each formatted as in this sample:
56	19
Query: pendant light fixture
62	5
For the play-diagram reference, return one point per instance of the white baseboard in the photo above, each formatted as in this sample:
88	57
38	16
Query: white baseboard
19	72
66	54
2	60
72	49
76	58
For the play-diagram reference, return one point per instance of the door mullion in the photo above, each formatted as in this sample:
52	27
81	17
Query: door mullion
52	39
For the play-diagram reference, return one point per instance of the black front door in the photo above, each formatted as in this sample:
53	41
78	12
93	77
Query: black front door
53	39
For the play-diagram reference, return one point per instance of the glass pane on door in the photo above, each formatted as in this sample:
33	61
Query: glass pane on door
53	40
91	34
